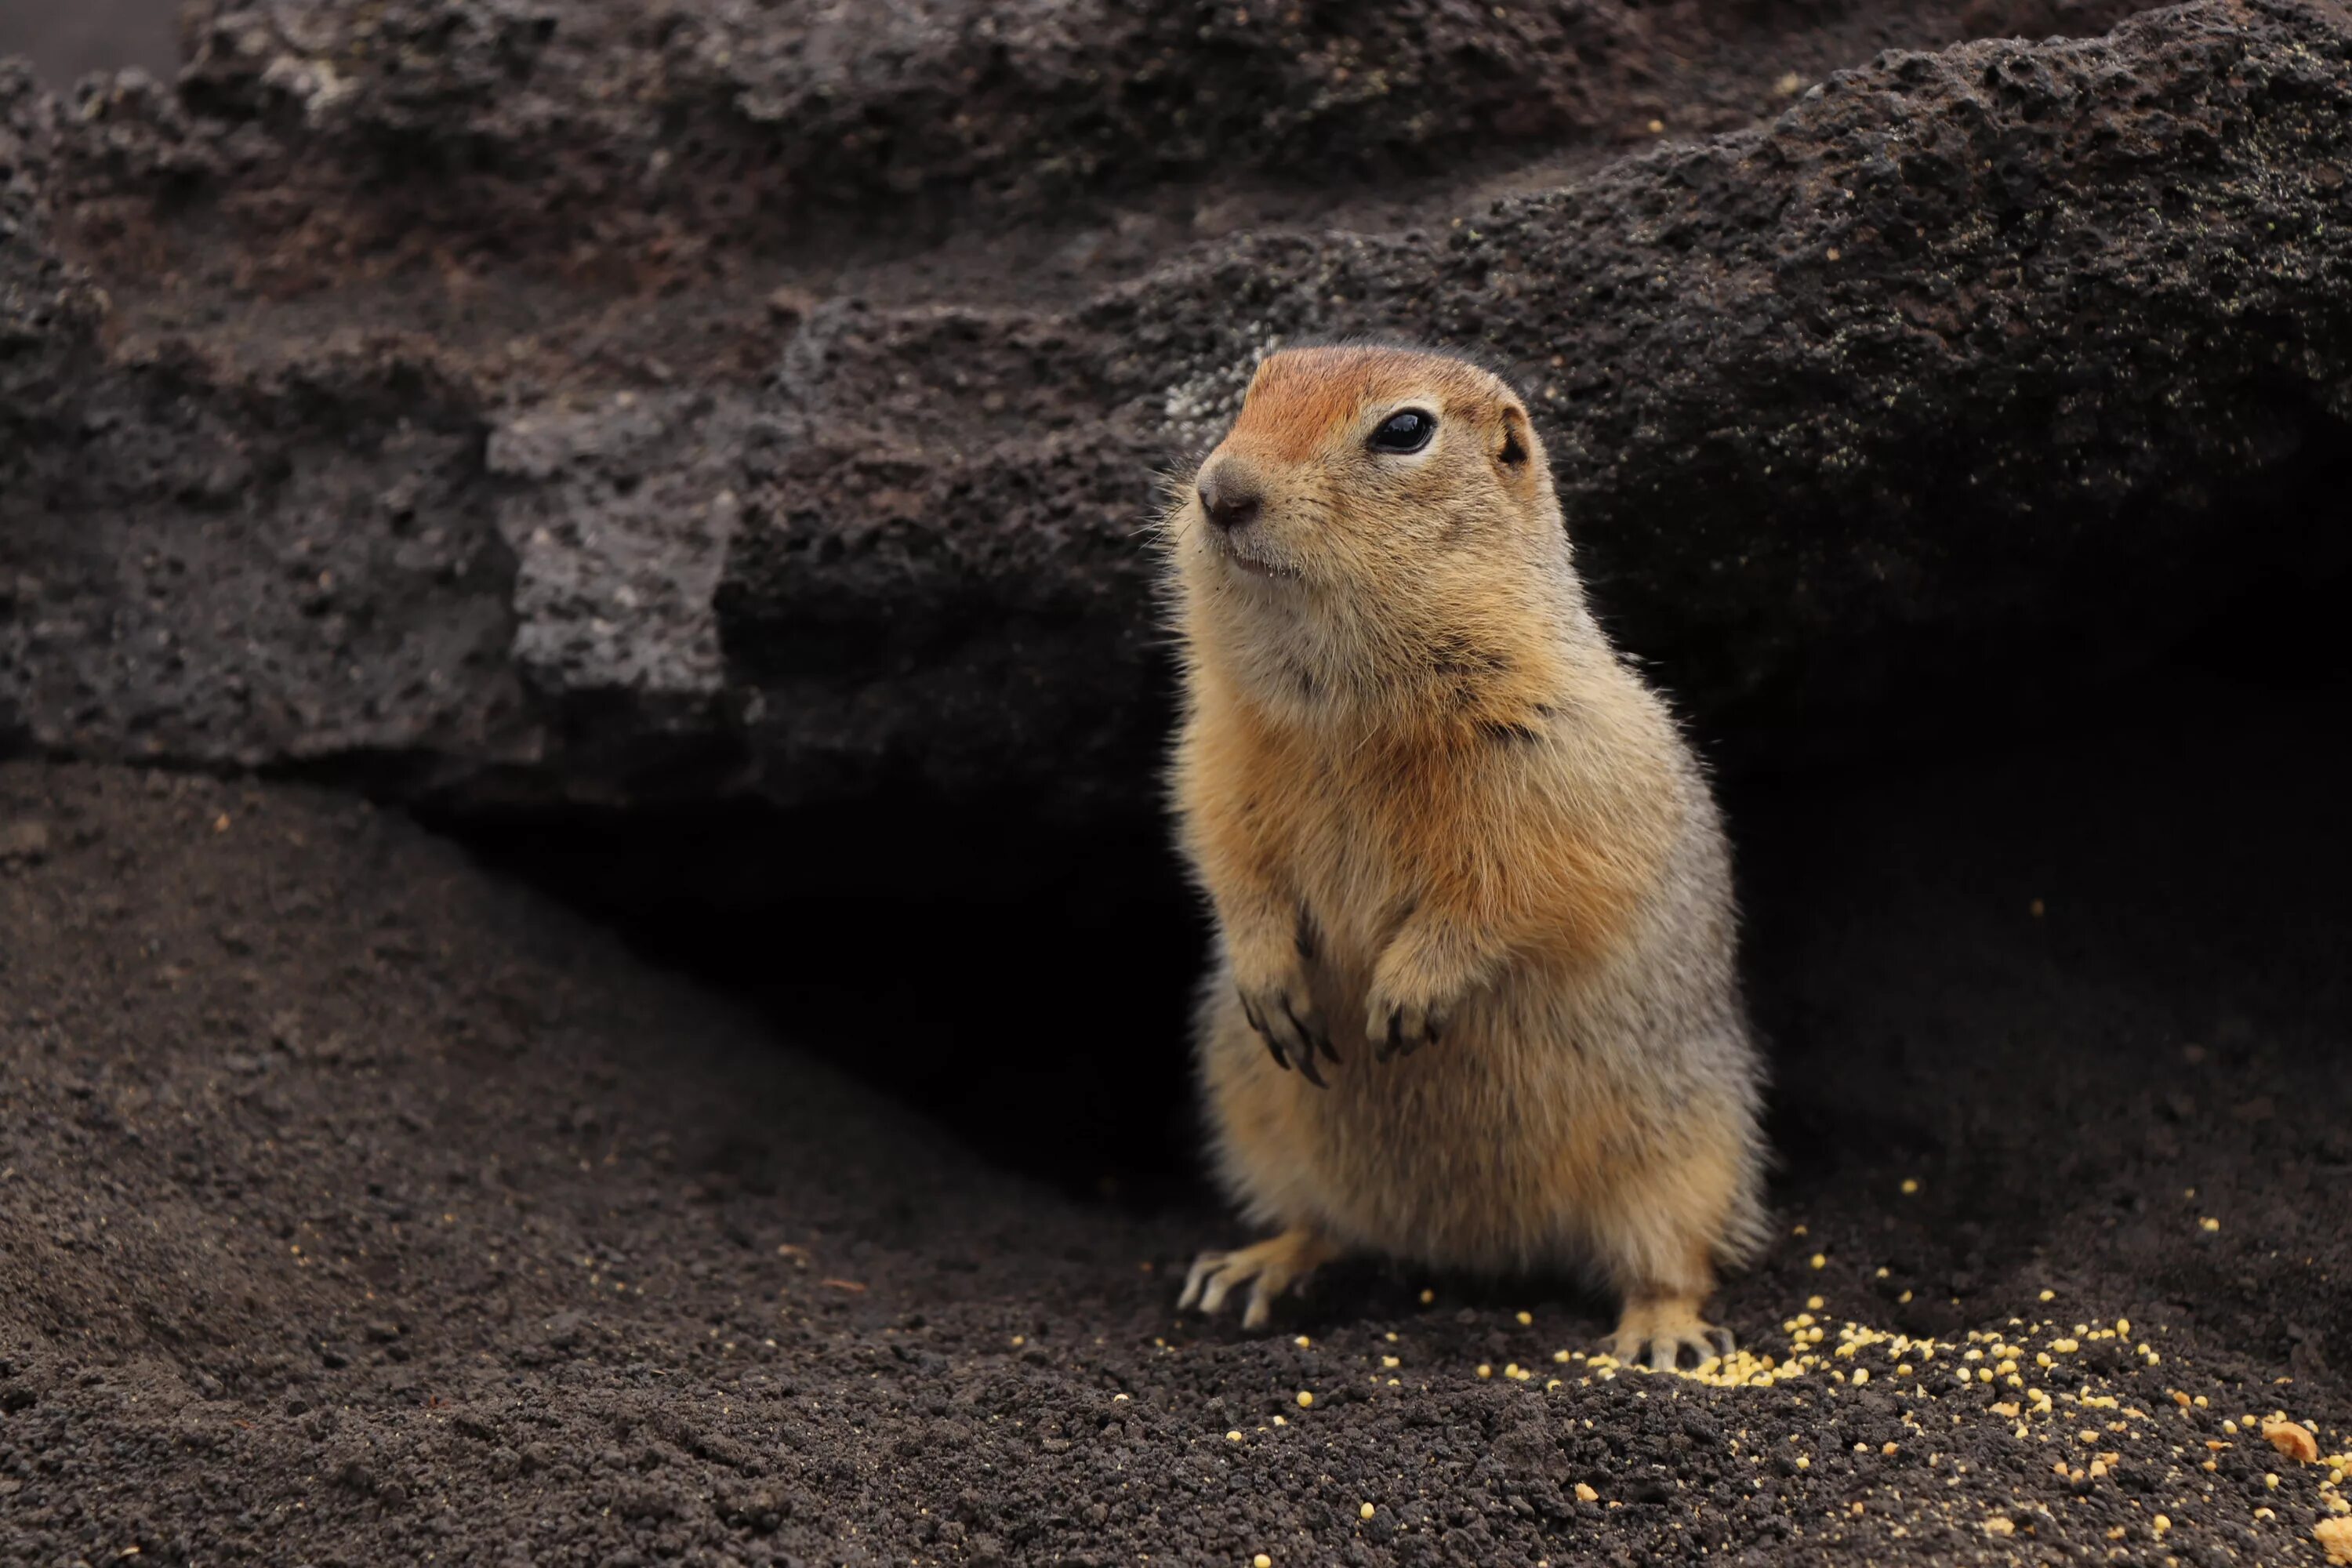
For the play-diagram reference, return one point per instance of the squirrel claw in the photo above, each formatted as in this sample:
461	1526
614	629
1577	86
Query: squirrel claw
1667	1335
1291	1040
1273	1046
1312	1040
1270	1268
1405	1035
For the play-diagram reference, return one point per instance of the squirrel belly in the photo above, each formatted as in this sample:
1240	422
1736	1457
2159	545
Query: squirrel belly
1474	1000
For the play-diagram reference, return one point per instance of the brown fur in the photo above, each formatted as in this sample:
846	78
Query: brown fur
1434	810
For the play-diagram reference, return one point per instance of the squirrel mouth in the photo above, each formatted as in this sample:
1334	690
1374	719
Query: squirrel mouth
1255	566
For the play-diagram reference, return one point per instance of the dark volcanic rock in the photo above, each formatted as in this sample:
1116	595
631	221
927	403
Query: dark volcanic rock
48	311
446	427
2008	358
222	570
737	116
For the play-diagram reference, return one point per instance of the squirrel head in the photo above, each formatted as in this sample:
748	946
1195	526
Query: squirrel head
1377	519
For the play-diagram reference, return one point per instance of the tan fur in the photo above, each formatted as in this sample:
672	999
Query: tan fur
1431	805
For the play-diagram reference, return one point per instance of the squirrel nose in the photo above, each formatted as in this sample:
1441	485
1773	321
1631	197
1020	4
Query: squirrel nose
1230	499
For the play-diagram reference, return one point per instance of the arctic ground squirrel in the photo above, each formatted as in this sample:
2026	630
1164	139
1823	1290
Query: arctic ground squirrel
1475	1000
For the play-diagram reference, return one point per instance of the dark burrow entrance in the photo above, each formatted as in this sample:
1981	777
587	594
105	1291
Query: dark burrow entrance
1039	1008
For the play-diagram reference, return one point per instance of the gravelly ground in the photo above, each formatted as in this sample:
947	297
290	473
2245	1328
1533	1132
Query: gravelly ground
357	1205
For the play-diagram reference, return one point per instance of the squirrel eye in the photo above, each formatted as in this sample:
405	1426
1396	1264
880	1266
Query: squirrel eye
1408	430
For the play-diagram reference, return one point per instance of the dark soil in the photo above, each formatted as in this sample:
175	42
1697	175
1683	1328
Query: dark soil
357	1205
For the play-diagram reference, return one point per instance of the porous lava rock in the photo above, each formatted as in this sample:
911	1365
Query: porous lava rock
494	403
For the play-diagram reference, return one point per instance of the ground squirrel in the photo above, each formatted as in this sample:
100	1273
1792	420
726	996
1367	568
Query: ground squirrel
1474	1003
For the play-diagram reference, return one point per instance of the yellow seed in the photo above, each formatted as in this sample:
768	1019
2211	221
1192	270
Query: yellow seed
1820	1260
1305	1399
1427	1296
2162	1523
1888	1449
1232	1436
1302	1341
1910	1185
2123	1326
1862	1374
1526	1319
2209	1224
1486	1371
1586	1494
2048	1296
1365	1511
1261	1561
1391	1360
1560	1355
1815	1302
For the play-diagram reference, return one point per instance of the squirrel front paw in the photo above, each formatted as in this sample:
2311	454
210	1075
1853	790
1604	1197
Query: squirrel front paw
1411	1000
1400	1026
1282	1010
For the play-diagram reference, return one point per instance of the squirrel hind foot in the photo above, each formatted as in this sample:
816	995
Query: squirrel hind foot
1268	1268
1660	1333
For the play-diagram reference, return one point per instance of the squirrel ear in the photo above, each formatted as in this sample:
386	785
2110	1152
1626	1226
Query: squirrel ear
1513	453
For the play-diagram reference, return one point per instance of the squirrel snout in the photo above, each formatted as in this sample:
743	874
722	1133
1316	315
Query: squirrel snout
1230	497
